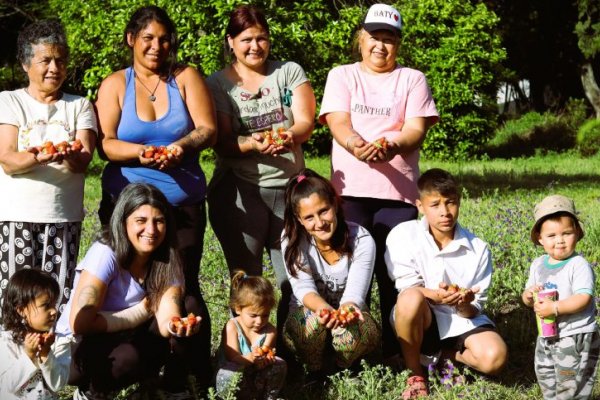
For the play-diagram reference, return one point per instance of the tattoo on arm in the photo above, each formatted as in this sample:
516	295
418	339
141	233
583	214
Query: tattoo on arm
198	139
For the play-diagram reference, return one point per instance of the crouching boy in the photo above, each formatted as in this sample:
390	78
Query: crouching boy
442	273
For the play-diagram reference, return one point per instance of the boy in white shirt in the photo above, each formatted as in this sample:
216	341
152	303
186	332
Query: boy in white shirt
442	273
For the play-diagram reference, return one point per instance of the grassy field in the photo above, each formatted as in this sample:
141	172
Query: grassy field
498	199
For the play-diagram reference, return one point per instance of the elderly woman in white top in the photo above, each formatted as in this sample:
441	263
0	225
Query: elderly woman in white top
41	207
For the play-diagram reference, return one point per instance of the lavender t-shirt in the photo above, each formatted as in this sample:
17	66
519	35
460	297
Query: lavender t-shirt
378	106
122	291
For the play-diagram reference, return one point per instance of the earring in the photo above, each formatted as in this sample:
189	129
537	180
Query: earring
231	50
24	321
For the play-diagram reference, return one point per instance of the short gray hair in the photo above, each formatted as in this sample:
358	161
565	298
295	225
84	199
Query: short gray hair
46	31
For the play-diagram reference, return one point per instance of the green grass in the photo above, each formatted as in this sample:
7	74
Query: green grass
498	199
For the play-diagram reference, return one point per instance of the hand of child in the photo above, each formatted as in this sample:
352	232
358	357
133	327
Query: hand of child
37	344
46	341
446	296
528	294
263	356
544	307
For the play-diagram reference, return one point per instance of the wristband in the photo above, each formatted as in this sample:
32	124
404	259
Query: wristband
555	304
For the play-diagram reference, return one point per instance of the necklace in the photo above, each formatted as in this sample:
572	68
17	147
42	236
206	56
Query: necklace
152	97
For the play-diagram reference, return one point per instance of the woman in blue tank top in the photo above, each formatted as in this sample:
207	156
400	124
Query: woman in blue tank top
158	102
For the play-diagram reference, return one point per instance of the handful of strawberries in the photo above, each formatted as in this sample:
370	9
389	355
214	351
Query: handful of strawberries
344	315
265	352
49	147
178	323
277	138
159	153
381	143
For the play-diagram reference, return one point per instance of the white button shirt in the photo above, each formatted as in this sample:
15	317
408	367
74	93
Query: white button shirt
414	259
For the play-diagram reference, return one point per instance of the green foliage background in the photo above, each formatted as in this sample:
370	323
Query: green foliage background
453	42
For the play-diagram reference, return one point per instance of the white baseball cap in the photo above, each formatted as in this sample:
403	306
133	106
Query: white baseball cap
382	16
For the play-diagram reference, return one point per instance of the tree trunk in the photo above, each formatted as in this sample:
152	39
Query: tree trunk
592	91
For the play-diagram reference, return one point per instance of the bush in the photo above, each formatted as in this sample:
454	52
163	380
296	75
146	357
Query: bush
588	138
575	113
456	45
531	134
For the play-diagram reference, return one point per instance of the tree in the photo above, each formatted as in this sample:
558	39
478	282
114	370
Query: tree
456	45
453	43
14	15
588	33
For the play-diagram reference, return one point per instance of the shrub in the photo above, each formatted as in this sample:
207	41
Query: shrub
588	138
530	134
456	44
575	113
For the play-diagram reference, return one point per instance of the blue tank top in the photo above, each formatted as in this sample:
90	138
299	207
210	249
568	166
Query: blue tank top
184	184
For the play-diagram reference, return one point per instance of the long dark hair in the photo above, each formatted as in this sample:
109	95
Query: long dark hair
22	289
299	187
144	16
165	266
242	18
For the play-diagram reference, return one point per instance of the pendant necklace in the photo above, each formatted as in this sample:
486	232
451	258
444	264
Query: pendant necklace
152	97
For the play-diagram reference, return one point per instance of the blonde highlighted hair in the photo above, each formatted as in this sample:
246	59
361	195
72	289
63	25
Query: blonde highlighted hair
251	291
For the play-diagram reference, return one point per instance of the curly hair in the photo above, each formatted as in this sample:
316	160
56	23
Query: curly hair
251	291
23	288
46	31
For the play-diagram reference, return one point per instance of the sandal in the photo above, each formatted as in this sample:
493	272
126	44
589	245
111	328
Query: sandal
417	388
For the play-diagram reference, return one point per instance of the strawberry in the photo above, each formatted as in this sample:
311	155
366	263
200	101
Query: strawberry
381	143
48	148
76	145
62	147
452	288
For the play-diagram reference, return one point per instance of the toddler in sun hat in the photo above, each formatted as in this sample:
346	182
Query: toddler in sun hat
565	365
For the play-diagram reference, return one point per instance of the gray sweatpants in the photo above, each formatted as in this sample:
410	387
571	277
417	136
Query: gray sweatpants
247	219
566	367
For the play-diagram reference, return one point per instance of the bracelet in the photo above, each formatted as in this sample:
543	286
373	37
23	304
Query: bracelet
555	308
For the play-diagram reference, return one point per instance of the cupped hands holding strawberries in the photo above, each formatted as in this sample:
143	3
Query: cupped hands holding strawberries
49	152
380	150
161	157
271	142
262	356
37	344
184	326
454	295
346	315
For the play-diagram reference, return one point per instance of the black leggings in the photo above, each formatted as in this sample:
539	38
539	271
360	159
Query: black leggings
379	216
